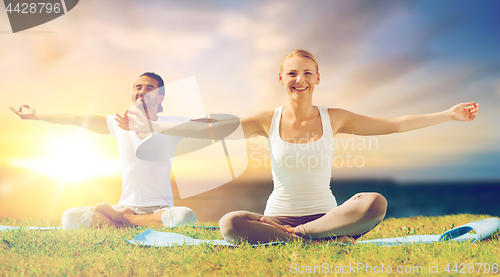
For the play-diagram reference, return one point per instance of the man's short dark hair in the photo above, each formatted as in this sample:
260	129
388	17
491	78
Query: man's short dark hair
161	85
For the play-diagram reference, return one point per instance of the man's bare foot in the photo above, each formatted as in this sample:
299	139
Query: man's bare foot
100	220
121	216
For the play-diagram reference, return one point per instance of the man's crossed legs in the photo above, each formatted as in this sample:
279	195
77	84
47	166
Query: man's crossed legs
121	216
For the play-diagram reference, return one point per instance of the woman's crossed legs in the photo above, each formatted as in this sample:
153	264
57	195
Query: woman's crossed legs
353	218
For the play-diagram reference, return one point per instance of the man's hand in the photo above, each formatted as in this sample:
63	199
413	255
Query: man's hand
133	121
27	114
464	111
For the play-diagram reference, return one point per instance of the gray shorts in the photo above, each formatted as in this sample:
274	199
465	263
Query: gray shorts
140	210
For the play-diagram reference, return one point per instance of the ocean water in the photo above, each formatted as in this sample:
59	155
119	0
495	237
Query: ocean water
427	199
404	199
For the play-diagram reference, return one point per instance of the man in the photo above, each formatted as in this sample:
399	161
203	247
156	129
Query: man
146	198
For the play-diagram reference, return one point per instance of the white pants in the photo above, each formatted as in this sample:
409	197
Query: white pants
81	217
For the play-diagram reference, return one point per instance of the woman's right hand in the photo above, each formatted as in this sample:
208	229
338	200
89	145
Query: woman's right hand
30	113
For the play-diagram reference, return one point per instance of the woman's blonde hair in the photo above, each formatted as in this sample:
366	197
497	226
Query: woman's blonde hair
299	53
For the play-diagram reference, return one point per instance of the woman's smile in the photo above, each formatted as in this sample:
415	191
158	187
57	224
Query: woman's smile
300	88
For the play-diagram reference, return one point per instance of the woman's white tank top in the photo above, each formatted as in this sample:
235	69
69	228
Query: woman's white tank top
301	172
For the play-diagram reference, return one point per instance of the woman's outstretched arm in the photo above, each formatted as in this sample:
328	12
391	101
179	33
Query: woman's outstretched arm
217	127
351	123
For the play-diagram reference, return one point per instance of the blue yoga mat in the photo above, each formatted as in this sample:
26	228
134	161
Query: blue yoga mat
9	228
37	228
484	229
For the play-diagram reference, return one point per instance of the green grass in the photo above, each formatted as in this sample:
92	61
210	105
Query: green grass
103	252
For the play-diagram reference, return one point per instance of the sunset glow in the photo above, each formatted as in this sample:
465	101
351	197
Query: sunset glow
72	161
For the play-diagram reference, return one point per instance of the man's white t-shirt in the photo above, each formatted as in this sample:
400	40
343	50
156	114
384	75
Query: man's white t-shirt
145	183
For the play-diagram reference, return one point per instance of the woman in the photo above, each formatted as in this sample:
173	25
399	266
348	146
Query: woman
301	205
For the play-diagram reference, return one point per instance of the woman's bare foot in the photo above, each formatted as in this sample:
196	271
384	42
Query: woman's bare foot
121	216
291	230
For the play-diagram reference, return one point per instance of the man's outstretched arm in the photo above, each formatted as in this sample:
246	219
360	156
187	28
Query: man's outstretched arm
94	123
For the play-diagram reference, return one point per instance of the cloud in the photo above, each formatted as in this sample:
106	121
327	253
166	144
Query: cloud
441	84
374	75
383	58
259	36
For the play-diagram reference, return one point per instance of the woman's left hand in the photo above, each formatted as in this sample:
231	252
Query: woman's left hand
464	111
286	228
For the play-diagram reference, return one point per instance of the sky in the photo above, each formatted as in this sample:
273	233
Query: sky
377	58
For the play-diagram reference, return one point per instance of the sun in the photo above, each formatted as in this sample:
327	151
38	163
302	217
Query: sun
71	159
